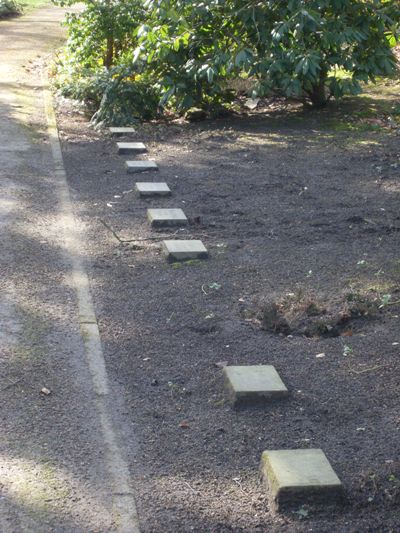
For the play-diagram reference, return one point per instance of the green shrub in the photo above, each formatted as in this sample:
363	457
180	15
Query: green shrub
103	33
9	8
293	47
97	65
188	52
117	96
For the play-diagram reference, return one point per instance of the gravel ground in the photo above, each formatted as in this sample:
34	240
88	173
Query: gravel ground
295	210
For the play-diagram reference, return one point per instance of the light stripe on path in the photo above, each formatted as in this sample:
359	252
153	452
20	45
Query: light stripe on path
124	510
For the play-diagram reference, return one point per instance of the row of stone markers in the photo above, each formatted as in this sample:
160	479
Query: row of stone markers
292	477
175	250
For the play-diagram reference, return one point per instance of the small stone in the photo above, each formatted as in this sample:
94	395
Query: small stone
250	384
131	148
167	217
121	130
140	166
221	364
298	477
182	250
153	189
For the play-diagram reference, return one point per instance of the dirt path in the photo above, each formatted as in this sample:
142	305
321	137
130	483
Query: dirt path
59	453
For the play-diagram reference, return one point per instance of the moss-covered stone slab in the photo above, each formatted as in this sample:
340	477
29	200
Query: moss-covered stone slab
167	217
253	384
140	166
150	188
131	148
297	477
121	130
183	250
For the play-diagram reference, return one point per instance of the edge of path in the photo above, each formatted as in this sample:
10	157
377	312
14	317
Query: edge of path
124	507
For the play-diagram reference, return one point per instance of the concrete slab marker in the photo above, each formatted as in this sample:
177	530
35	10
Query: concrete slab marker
183	250
121	130
140	166
167	217
131	148
297	477
252	384
152	189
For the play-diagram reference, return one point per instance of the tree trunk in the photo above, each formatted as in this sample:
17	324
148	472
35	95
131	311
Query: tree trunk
109	58
318	94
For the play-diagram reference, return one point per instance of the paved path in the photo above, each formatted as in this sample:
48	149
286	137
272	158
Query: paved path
61	468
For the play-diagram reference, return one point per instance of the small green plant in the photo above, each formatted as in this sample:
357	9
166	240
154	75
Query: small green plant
177	390
302	512
385	300
347	350
212	285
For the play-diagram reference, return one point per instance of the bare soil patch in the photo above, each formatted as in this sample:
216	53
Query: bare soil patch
300	212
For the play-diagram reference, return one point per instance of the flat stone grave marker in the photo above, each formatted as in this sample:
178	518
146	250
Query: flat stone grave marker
131	148
253	383
183	250
297	477
140	166
152	189
121	130
167	217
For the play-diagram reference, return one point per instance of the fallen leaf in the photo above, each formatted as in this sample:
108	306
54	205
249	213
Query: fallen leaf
347	333
319	355
184	424
251	103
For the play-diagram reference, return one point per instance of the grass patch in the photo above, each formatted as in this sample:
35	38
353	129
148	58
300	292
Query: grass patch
376	109
28	5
